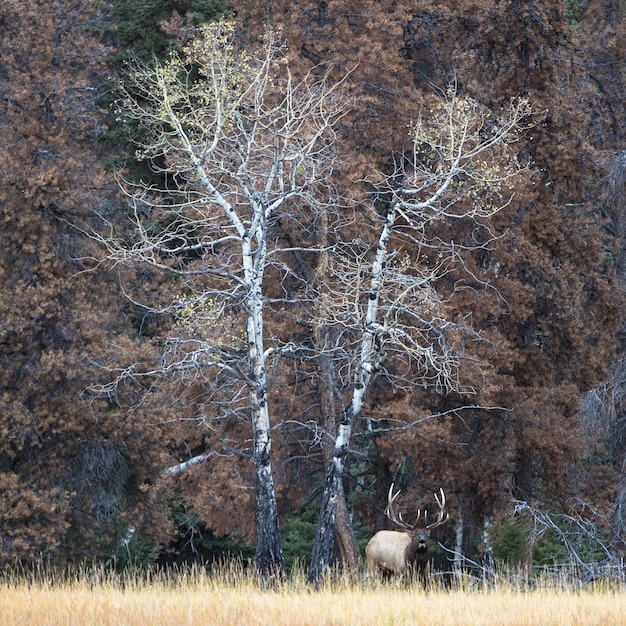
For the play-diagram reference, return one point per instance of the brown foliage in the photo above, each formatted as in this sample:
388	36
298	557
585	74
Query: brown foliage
546	295
546	298
58	318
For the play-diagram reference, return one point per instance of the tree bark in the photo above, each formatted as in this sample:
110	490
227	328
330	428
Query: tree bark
334	526
333	498
458	548
368	364
269	561
325	536
344	536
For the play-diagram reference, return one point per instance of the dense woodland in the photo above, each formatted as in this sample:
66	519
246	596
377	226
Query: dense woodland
107	453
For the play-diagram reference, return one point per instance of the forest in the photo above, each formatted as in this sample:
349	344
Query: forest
262	260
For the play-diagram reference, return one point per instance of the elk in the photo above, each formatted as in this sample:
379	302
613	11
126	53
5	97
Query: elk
404	552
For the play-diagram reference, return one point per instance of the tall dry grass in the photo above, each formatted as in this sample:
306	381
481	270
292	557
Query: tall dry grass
230	597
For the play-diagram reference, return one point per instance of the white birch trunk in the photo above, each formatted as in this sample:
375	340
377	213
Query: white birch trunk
368	363
458	548
269	560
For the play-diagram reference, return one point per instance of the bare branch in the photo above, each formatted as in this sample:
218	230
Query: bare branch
236	141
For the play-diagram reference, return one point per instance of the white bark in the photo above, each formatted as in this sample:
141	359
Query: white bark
179	468
458	547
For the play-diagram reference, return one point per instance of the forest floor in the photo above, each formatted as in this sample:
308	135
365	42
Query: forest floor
198	599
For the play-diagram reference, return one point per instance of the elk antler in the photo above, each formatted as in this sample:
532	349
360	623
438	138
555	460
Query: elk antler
391	514
396	518
442	516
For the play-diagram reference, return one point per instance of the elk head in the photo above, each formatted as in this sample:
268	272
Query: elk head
406	551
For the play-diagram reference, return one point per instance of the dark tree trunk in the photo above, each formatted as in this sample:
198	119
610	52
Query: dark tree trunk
325	537
333	491
337	424
344	535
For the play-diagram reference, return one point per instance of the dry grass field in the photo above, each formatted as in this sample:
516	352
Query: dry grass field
197	599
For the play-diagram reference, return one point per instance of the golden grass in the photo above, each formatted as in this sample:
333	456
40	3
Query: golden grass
199	599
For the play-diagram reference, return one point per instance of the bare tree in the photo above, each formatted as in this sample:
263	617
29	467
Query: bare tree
239	146
580	535
603	419
383	300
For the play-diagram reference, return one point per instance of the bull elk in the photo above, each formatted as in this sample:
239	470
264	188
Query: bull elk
404	552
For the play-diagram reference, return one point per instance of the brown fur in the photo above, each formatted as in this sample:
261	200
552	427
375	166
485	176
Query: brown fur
396	552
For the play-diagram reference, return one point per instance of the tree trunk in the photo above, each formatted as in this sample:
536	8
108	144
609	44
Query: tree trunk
325	536
488	547
269	561
458	549
344	536
334	527
368	362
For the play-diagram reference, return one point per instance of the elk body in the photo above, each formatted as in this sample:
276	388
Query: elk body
404	552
